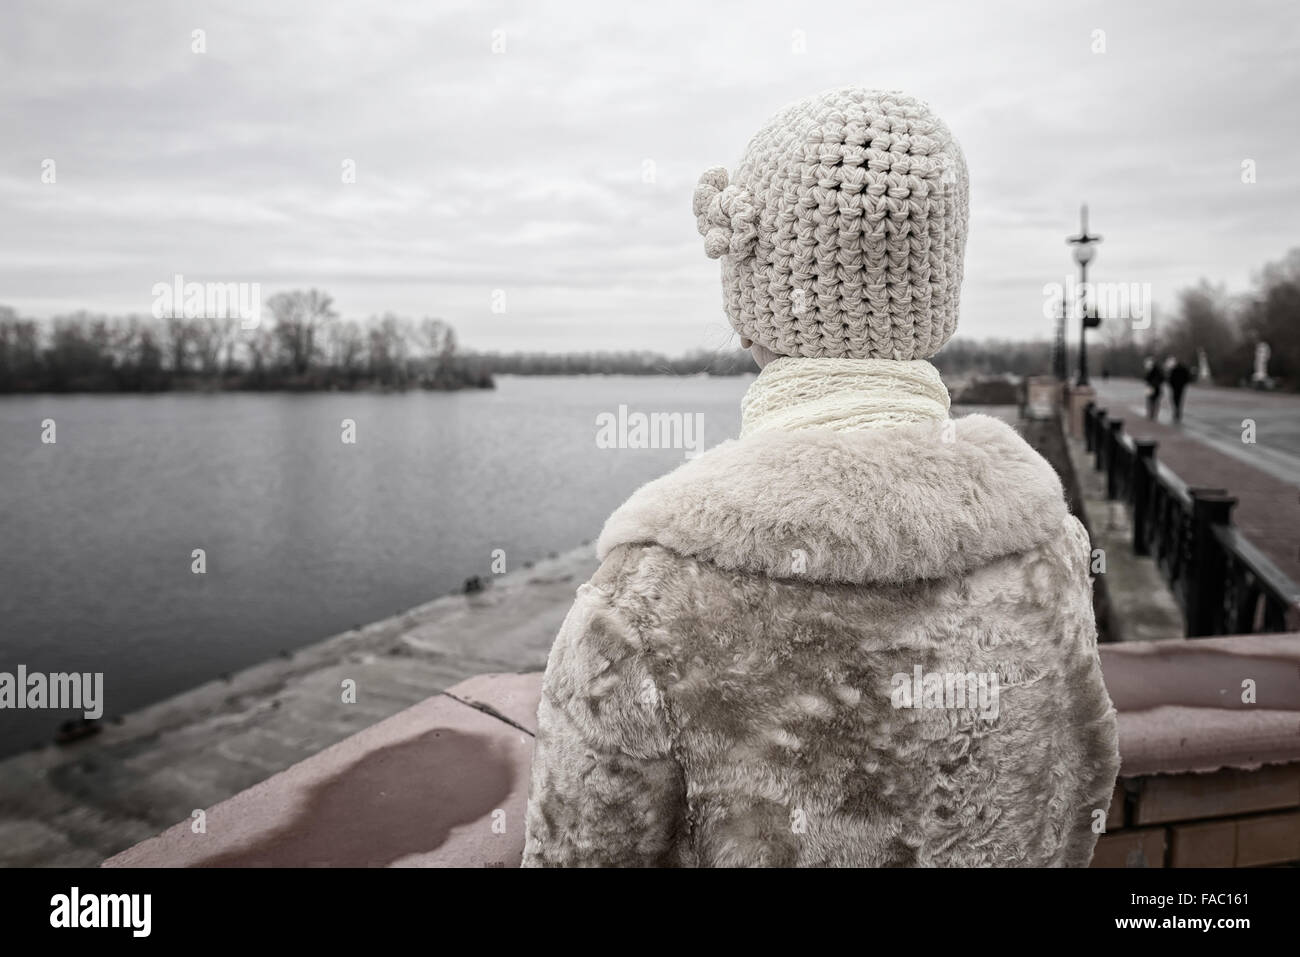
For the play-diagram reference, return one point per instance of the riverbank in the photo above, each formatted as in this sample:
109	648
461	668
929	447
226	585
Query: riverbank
75	805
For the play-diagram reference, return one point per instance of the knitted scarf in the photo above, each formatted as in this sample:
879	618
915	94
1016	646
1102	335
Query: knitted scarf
844	395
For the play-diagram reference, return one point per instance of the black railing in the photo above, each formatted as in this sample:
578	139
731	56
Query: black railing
1225	585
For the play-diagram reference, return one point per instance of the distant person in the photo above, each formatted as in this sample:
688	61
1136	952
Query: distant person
1179	375
1155	380
787	654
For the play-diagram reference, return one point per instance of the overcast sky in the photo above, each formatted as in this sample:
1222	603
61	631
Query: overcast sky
524	170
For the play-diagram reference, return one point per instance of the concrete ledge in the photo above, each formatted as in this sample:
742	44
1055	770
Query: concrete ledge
1181	709
443	783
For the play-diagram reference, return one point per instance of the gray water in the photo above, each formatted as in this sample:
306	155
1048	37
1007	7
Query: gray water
304	536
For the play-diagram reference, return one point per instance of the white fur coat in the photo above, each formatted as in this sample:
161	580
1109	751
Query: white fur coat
766	668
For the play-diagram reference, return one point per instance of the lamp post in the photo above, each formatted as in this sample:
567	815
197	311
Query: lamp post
1083	253
1058	344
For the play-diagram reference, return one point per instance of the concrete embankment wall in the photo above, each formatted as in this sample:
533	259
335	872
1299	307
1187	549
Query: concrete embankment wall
78	804
1207	780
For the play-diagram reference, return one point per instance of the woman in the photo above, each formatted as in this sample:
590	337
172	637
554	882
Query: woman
862	633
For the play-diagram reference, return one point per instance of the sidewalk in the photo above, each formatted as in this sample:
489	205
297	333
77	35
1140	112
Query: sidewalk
1139	605
1268	509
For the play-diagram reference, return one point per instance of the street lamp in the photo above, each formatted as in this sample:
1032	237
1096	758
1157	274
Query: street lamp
1058	344
1083	254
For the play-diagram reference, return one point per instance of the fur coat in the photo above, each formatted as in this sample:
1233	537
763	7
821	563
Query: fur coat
766	668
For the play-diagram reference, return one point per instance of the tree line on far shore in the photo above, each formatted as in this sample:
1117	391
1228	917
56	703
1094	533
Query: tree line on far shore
731	361
1227	326
306	346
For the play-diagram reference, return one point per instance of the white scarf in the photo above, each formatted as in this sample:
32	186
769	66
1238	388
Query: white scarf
845	395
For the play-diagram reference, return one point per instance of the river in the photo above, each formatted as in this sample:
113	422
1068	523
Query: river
303	534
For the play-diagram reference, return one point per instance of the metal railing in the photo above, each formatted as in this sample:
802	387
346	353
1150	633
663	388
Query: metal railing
1225	585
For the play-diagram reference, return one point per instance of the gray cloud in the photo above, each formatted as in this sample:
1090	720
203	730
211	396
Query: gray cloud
523	170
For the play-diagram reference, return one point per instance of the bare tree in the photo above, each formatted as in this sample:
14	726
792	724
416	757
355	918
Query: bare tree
299	321
390	341
346	346
261	352
210	337
178	334
437	340
1270	316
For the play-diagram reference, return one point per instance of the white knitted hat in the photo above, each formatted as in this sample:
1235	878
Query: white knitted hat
844	230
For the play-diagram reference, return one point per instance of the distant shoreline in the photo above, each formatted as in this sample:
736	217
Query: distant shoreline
370	389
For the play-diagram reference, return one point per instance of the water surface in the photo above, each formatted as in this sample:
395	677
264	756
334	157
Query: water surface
305	536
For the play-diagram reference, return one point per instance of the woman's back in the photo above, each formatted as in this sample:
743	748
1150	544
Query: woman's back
910	682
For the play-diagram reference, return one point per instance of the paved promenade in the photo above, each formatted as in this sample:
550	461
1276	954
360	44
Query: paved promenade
1207	450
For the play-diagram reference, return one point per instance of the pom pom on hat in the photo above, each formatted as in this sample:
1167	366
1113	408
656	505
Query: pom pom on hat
724	215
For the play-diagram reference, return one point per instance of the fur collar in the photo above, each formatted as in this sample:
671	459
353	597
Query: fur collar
918	501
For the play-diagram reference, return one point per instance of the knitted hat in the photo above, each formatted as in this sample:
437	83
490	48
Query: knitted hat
844	230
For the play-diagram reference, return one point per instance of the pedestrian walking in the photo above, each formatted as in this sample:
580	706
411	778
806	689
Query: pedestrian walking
1179	375
1155	380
